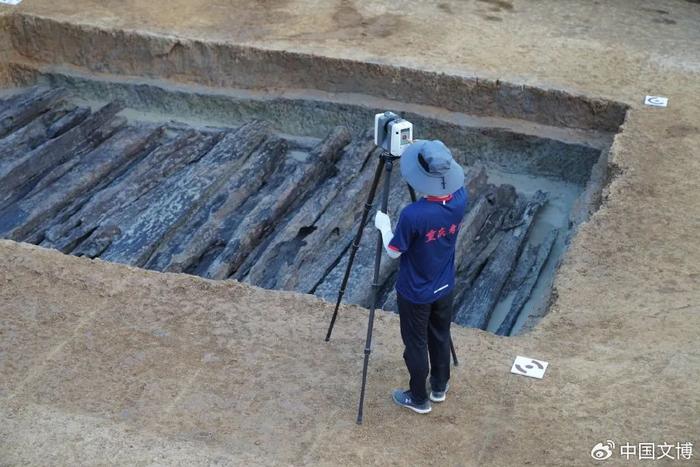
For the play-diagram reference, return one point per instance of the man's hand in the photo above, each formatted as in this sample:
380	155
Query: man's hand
382	222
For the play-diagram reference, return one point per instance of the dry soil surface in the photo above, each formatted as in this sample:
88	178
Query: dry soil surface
103	364
107	364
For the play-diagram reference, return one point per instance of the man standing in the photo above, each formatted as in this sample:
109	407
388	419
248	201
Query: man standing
425	239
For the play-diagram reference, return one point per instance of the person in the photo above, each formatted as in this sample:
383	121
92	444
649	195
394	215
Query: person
424	240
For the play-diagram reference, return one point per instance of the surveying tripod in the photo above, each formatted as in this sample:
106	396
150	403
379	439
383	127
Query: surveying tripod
386	164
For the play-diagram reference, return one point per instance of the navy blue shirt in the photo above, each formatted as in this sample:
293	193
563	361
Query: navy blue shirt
426	235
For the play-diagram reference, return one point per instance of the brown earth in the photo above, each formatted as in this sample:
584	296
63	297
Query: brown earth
103	364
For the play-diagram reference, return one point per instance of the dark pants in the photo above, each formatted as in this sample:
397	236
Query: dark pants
425	330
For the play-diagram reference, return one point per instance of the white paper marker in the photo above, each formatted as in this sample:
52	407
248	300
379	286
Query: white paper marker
656	101
527	366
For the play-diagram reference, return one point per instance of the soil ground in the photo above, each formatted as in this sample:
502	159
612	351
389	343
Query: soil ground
104	364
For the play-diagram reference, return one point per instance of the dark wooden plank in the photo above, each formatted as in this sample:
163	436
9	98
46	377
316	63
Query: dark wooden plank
184	148
298	242
466	276
46	126
524	288
118	171
36	163
500	202
471	226
22	219
478	209
23	111
524	264
476	309
71	119
292	181
212	223
35	133
153	218
21	94
102	134
325	246
540	303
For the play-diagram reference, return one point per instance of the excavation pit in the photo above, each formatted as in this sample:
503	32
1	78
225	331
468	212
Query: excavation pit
267	187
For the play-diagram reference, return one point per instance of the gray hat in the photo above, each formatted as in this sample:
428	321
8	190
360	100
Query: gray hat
429	168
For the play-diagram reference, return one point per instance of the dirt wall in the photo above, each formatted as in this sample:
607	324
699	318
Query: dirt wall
215	64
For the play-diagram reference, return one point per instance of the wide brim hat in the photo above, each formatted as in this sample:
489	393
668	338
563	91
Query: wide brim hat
429	168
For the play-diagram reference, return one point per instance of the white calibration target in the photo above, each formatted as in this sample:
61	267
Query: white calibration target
527	366
656	101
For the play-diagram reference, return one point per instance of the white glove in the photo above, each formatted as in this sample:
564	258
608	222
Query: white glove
382	222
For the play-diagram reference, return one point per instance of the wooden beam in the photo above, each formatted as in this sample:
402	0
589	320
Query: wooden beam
209	226
476	309
524	288
292	181
15	177
299	242
34	134
31	214
22	111
157	216
184	148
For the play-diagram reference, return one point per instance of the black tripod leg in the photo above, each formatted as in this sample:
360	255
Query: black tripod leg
356	242
454	353
375	291
412	192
